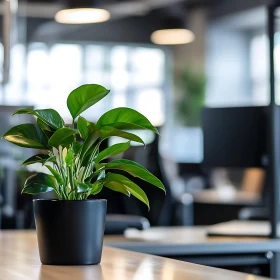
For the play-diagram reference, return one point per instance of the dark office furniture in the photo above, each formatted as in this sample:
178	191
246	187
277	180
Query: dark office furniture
254	213
235	137
117	224
209	211
260	144
165	209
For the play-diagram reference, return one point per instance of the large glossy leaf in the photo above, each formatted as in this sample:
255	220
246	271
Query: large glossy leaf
27	136
125	118
117	187
44	126
135	170
83	187
56	175
62	137
96	188
39	183
112	151
40	158
109	131
134	189
48	116
83	97
131	162
83	127
47	130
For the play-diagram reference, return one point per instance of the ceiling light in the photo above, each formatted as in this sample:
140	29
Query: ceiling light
172	28
82	16
171	36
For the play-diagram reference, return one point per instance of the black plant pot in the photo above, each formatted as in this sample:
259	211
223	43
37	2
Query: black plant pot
70	232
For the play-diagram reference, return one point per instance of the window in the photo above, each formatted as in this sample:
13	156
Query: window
135	75
259	69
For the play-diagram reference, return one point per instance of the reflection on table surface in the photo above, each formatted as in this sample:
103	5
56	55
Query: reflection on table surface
19	260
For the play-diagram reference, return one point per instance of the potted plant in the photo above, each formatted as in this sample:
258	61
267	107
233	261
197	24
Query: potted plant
70	228
190	98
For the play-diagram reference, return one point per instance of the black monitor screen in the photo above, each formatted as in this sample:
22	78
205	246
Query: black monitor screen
234	137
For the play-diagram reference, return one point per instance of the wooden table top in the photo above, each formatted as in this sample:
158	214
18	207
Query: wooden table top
19	260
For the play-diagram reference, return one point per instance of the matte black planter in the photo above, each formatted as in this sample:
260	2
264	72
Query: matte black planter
70	232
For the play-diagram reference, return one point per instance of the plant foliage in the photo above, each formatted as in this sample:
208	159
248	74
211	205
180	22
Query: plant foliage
76	164
191	96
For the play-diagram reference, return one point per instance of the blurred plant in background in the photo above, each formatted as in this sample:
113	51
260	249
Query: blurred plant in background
190	87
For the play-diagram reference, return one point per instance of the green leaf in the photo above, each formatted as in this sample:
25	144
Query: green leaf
83	127
83	187
96	188
112	151
23	111
108	131
131	162
69	157
50	159
40	158
48	131
62	137
56	175
48	116
96	176
101	175
134	189
117	187
39	183
27	136
77	146
44	126
125	118
135	170
91	139
83	97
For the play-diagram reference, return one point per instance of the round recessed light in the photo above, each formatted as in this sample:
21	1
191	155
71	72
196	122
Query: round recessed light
82	16
172	36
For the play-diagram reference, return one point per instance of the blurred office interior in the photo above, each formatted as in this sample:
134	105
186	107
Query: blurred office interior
226	65
208	96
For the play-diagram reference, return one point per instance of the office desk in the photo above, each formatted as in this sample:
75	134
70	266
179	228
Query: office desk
19	260
208	203
217	197
193	245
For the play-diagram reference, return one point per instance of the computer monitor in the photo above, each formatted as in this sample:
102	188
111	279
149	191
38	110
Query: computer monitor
235	137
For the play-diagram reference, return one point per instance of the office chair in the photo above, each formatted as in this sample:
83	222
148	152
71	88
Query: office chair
165	210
